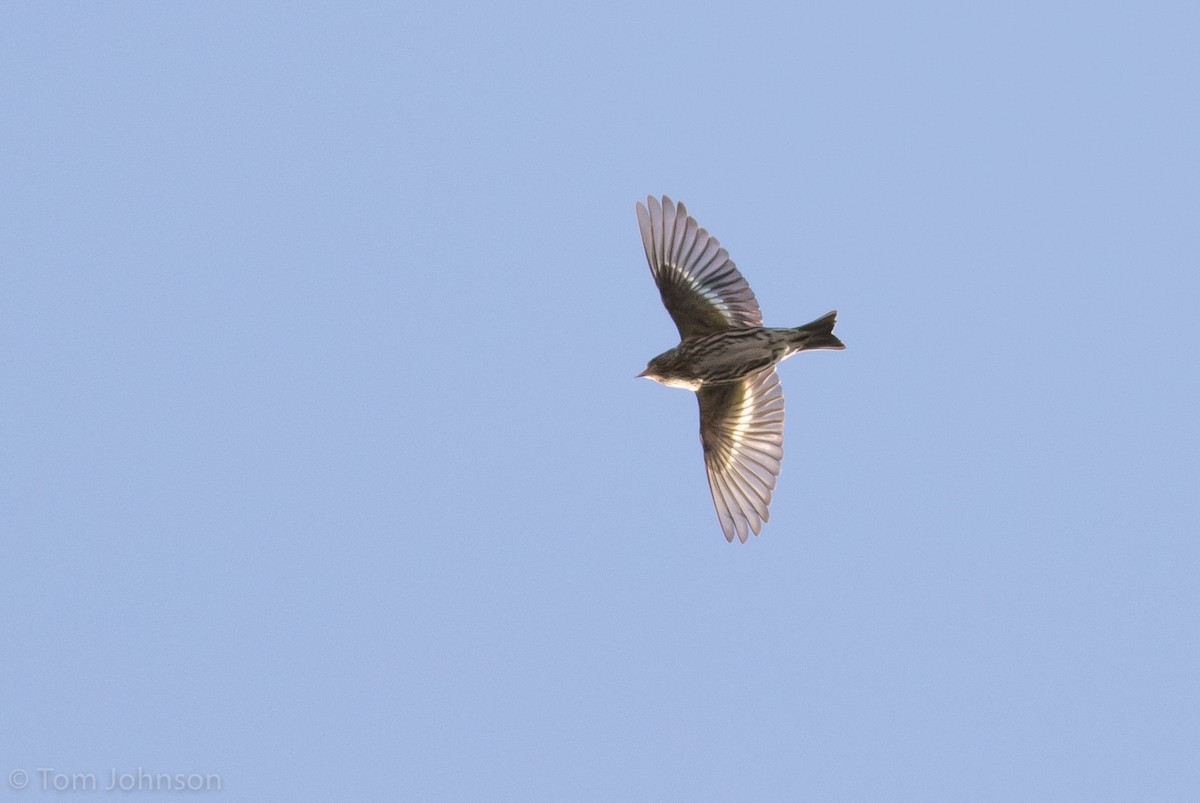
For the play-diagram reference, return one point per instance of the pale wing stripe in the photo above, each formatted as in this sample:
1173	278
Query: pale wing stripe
744	463
712	294
681	251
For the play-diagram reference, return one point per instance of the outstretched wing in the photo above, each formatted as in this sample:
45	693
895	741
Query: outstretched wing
741	428
699	283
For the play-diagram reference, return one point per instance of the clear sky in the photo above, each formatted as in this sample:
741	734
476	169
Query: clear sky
324	470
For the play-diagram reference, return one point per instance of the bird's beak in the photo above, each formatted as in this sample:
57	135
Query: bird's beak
642	374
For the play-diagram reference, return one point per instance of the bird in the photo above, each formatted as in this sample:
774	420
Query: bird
727	357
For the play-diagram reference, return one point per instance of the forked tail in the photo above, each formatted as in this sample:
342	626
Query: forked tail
817	335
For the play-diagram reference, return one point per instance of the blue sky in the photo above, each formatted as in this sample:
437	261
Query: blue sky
325	470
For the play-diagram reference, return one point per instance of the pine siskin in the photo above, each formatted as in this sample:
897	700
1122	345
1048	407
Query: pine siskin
727	357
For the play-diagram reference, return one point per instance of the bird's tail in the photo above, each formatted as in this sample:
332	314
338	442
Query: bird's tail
816	335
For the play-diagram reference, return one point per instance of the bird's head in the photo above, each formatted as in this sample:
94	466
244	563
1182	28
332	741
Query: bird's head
665	370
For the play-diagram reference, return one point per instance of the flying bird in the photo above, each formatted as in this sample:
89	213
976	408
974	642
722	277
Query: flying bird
727	357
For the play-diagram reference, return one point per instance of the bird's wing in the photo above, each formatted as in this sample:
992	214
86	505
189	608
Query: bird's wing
741	428
699	283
